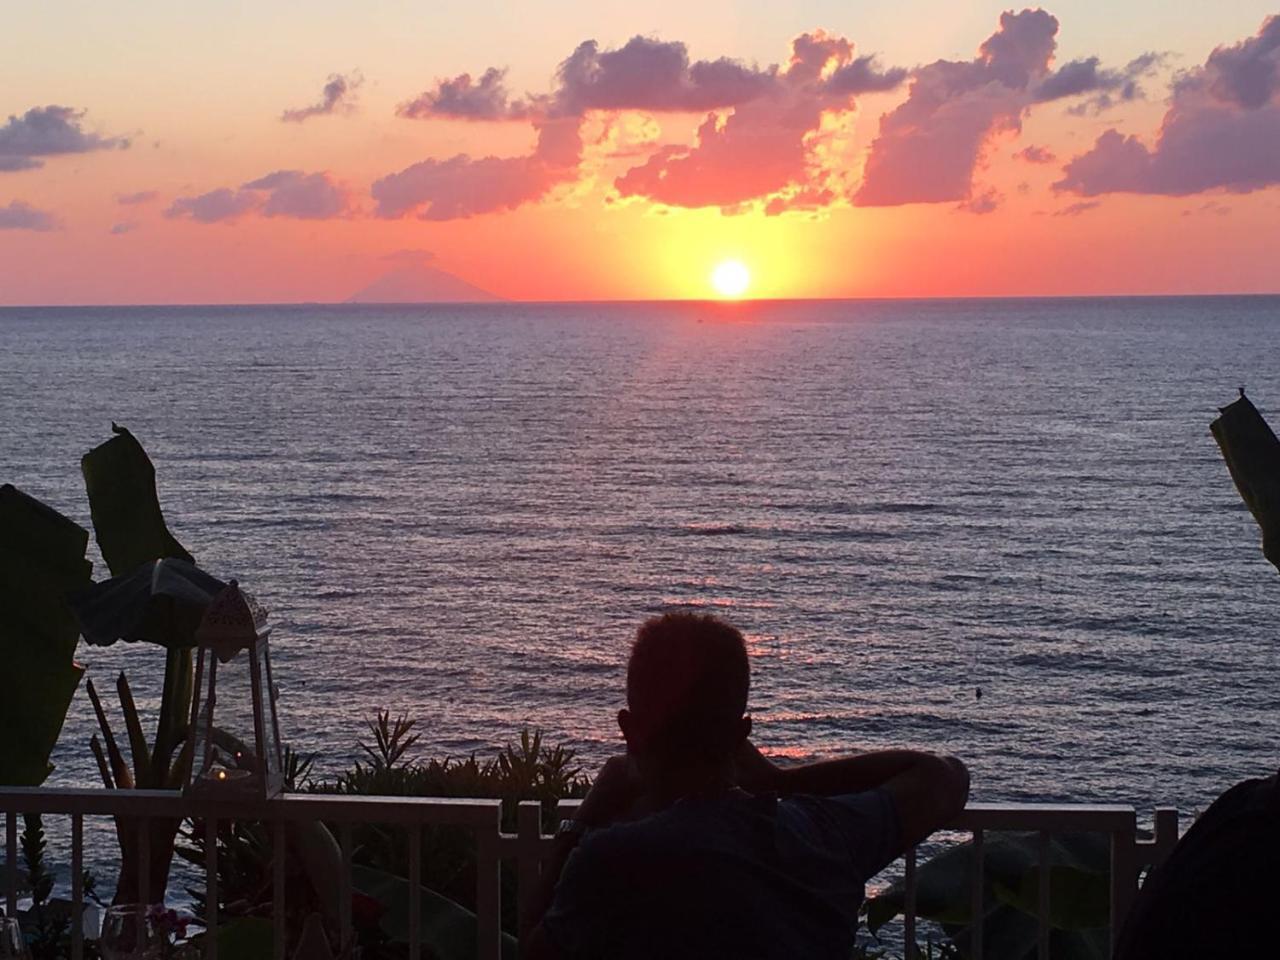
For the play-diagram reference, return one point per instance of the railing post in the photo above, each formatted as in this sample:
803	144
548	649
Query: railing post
11	863
977	908
528	856
488	890
1166	834
909	951
77	886
415	891
344	904
1042	905
1124	875
279	856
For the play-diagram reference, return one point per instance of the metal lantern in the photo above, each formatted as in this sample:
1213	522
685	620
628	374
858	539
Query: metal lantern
234	731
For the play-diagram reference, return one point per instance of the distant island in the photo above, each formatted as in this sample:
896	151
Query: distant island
421	283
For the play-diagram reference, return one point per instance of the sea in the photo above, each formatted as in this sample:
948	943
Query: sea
994	528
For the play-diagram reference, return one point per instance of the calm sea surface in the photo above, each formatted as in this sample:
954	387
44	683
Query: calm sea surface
464	512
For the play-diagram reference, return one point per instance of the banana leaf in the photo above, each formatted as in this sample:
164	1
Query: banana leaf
160	602
447	928
127	522
41	561
121	485
129	526
1252	453
1079	894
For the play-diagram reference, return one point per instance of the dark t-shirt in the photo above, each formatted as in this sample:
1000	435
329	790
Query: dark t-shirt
1218	893
732	876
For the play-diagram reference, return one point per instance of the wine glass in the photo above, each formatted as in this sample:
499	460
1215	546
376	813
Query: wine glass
128	933
12	943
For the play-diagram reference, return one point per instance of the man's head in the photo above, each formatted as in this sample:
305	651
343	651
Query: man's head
687	683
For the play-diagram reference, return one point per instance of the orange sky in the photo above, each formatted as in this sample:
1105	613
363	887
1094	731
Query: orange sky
975	155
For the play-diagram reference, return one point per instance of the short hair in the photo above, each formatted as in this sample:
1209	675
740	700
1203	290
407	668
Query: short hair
688	678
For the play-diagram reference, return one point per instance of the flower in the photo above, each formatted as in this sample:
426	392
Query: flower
365	910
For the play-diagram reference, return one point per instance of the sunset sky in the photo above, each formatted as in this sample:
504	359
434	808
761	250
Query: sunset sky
154	152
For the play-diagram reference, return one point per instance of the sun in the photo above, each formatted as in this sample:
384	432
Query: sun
730	278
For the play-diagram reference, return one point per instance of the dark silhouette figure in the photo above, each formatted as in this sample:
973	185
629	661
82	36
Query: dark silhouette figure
694	844
1217	894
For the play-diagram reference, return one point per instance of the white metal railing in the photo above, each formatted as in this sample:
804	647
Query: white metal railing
528	847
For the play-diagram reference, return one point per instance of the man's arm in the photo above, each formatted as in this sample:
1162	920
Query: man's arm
614	791
928	790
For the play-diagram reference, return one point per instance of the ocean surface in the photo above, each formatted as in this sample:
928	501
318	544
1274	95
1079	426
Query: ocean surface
463	513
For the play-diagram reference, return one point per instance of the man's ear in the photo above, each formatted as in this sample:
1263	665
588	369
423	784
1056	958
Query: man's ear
625	725
744	728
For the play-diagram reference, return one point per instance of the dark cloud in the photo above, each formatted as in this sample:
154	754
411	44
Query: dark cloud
1102	87
1248	73
22	216
1221	131
133	199
303	196
45	132
126	226
1075	209
285	193
988	201
335	97
762	150
216	206
648	74
464	186
864	75
462	98
1034	154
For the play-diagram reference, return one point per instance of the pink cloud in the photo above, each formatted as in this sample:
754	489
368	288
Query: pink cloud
48	131
1221	131
335	97
462	186
22	216
762	148
929	146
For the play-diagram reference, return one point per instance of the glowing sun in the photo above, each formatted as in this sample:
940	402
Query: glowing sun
730	278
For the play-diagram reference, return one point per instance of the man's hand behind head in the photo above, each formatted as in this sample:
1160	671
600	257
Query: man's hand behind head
615	790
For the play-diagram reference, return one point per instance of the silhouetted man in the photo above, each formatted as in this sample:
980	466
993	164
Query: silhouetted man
1218	892
696	845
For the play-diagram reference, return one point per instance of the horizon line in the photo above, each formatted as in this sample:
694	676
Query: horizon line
716	301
